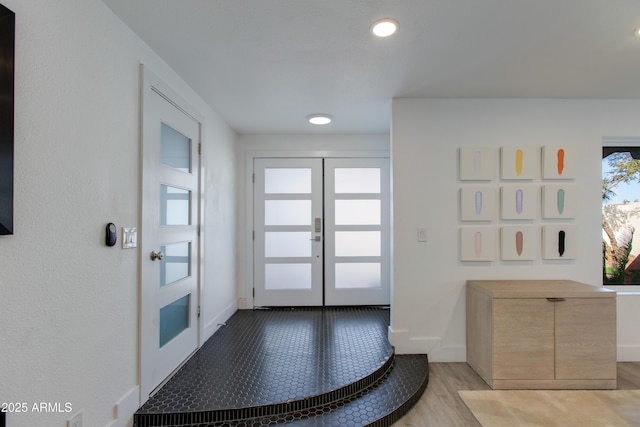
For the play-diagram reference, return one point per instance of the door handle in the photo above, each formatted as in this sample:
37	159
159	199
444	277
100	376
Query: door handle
316	239
156	255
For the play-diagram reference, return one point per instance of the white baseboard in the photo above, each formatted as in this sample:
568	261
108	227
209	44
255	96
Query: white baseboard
124	408
629	353
212	326
405	344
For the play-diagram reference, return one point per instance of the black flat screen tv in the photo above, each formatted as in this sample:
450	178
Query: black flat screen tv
7	73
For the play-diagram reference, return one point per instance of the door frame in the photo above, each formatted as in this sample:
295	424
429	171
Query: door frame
245	298
150	81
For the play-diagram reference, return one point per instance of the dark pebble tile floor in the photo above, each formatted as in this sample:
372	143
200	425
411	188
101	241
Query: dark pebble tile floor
266	362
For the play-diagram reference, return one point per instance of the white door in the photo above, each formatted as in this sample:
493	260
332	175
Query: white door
288	232
321	232
169	233
357	236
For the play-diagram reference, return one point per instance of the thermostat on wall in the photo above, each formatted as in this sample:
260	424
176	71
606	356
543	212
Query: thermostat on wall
110	236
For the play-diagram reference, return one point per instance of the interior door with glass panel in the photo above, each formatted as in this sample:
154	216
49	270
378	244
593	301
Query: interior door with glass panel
288	232
321	232
169	235
357	237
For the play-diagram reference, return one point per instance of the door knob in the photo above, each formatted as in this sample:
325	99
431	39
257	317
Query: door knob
156	255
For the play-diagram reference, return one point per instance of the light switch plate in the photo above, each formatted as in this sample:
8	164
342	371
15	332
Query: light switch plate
129	237
422	234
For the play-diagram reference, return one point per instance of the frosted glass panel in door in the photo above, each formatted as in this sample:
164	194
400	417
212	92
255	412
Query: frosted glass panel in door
287	212
357	180
357	212
175	263
357	243
175	206
358	275
287	276
287	181
174	318
287	244
175	149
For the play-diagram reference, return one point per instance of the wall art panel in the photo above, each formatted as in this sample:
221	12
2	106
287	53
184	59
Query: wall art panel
478	203
477	164
558	162
519	163
519	243
558	201
477	244
559	241
519	202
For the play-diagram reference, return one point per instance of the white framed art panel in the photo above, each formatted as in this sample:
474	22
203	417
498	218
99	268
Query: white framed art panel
477	244
519	243
558	162
559	241
519	163
478	203
477	164
519	202
558	201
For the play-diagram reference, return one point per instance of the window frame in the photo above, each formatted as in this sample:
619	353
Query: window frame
611	145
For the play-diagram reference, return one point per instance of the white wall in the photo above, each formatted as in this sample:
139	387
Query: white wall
313	145
428	314
69	304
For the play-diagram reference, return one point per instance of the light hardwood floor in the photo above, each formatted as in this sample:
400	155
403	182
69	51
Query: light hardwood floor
440	405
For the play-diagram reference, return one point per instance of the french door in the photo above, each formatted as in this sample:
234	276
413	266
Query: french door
169	235
321	231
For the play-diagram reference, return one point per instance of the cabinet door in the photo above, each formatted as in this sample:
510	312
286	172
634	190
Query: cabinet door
523	339
586	338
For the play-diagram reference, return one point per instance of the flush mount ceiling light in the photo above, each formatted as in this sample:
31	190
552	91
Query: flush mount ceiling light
319	119
384	27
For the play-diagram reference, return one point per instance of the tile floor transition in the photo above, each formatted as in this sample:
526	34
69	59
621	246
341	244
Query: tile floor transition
303	367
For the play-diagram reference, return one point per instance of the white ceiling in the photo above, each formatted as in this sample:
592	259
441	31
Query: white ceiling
264	65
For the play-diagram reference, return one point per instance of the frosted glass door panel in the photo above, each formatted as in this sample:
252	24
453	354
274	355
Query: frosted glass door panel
174	318
357	233
287	276
287	181
175	149
357	180
287	244
357	243
175	206
358	275
175	265
287	239
357	212
287	212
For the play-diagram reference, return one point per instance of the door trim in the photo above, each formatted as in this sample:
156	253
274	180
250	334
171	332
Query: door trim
245	297
149	81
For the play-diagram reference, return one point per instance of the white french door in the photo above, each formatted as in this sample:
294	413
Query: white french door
288	232
169	236
321	232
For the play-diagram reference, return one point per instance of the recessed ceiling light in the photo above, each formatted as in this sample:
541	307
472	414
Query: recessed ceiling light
319	119
384	27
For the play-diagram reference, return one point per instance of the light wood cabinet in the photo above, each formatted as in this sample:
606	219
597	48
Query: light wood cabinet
541	334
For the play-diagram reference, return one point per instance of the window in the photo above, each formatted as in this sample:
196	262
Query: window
621	215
